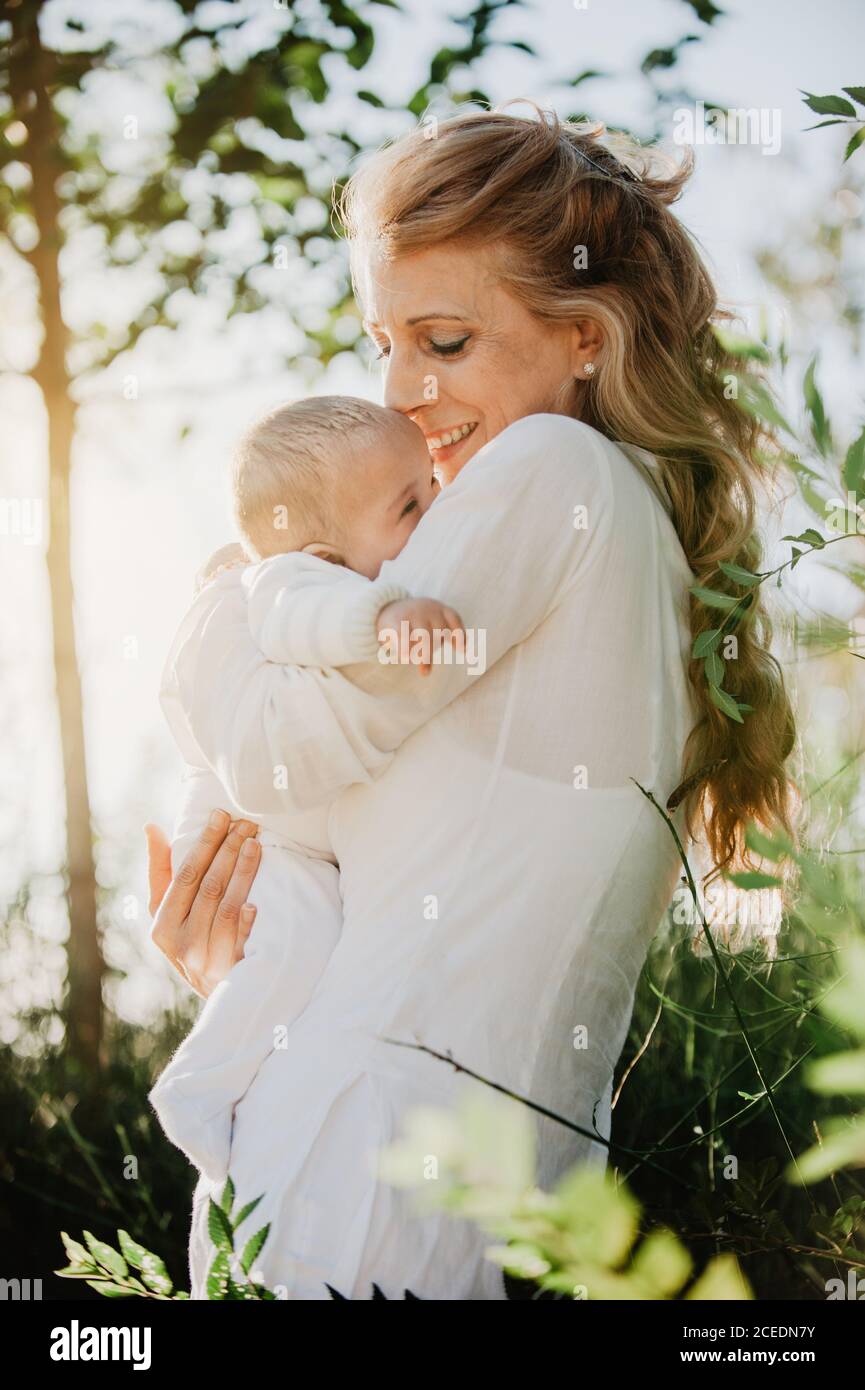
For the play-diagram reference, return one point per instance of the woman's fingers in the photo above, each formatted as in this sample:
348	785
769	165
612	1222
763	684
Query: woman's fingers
223	945
171	918
158	865
247	919
177	902
195	945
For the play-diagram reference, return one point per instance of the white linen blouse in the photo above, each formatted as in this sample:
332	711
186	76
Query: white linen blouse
501	875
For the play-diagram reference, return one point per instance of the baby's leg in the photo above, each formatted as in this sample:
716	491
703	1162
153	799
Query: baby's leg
297	925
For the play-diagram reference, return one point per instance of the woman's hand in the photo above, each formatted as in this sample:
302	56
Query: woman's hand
201	918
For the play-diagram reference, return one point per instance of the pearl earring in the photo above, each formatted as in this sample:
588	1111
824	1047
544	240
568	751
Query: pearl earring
589	368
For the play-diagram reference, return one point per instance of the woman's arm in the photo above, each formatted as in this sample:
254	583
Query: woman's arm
502	544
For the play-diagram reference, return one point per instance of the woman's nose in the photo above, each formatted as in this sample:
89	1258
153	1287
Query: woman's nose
403	384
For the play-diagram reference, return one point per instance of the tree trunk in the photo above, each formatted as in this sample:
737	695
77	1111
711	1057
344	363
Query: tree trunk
30	91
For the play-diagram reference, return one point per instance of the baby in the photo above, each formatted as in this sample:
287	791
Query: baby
324	491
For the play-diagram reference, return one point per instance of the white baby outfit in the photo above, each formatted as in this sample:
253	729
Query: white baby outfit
296	608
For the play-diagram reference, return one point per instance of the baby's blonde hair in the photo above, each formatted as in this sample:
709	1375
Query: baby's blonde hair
285	466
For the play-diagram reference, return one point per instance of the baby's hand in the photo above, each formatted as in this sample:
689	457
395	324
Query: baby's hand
228	557
420	626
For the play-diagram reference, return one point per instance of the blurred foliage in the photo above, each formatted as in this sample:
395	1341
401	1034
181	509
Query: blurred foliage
580	1240
715	1141
69	1157
240	131
237	134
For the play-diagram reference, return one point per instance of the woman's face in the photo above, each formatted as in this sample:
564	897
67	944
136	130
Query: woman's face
462	357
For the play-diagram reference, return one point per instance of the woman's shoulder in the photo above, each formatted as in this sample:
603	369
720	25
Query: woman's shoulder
544	430
544	453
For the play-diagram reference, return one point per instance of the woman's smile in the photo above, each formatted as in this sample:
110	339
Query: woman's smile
444	444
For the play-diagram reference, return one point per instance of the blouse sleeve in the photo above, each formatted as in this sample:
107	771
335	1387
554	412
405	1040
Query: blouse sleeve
519	527
304	611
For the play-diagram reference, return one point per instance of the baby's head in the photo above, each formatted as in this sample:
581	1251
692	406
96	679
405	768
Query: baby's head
334	476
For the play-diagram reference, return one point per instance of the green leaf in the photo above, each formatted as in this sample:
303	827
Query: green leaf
712	599
134	1253
246	1211
226	1201
705	643
155	1275
814	403
722	1279
808	537
77	1253
857	93
714	669
109	1290
725	702
843	1003
219	1276
841	1075
738	345
252	1248
740	610
853	143
758	401
738	574
754	879
663	1262
219	1227
829	105
854	465
843	1144
106	1256
778	846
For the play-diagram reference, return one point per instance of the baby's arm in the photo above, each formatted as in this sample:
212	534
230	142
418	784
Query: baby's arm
501	542
304	611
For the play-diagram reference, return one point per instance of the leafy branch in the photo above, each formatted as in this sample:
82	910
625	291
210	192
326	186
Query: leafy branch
112	1272
842	112
758	401
230	1274
109	1271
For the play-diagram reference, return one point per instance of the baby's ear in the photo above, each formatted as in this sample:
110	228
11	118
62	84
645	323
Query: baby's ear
324	552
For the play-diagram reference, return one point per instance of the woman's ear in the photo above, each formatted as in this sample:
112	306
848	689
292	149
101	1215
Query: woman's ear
587	339
324	551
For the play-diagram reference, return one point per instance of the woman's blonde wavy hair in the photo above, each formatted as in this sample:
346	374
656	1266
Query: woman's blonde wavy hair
536	189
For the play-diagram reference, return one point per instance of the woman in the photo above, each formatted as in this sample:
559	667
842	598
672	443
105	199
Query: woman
544	319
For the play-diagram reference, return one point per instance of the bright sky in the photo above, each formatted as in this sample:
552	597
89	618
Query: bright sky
148	506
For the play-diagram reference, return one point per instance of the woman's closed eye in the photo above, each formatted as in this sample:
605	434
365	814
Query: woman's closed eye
449	348
409	507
